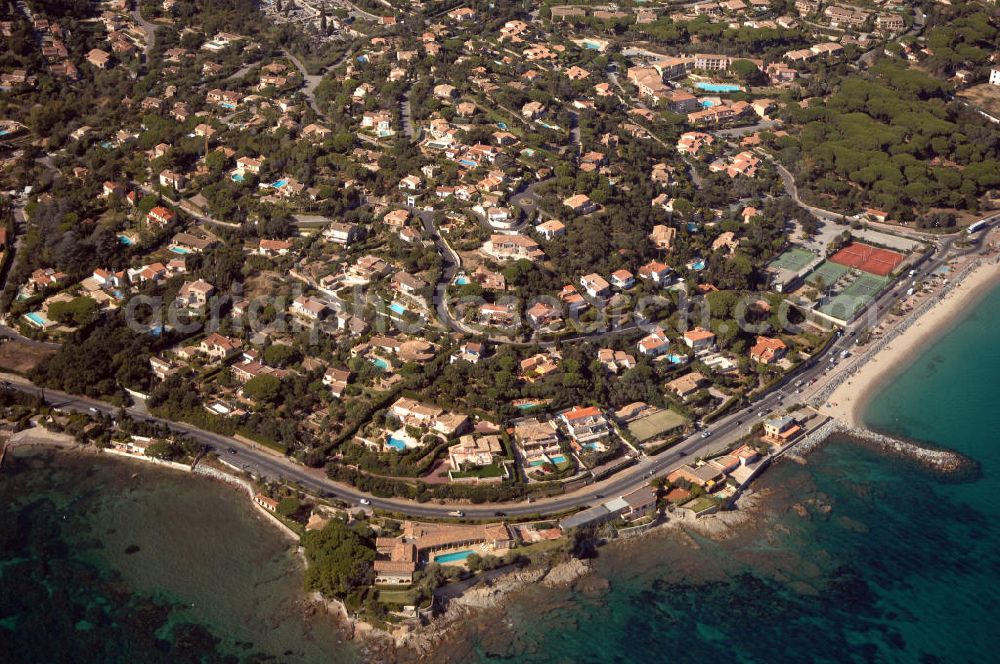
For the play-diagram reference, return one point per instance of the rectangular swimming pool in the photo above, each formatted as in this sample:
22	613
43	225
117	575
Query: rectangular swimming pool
718	87
36	318
455	556
398	308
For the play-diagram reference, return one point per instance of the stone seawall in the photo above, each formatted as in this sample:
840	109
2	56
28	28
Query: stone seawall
945	461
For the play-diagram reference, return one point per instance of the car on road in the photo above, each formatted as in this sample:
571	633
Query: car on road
92	409
232	450
365	501
706	433
499	514
458	513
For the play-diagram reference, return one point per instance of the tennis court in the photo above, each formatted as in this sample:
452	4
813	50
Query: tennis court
647	428
852	299
828	272
793	260
868	258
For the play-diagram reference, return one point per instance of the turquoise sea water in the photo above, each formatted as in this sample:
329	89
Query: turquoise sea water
854	557
107	560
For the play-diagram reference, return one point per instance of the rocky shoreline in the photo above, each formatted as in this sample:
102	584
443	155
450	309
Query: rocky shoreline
491	596
422	642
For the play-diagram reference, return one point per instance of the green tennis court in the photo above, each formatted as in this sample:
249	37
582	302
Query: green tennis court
867	285
852	299
793	260
828	272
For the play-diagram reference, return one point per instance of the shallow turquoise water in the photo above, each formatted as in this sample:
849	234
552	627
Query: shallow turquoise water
857	557
106	560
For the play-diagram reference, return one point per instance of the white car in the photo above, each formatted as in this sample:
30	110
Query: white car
365	501
458	513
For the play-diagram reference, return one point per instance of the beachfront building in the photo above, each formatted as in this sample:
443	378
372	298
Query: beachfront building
781	430
443	543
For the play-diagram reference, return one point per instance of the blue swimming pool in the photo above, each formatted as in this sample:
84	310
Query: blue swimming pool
398	308
380	363
468	162
707	103
677	359
502	125
461	281
527	406
4	132
396	444
455	556
237	177
107	145
227	105
36	318
592	45
697	265
558	459
279	184
718	87
179	250
126	240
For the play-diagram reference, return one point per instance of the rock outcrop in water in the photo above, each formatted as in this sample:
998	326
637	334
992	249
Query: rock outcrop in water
945	461
486	597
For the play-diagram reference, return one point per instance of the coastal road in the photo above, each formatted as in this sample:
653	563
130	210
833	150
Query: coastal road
719	436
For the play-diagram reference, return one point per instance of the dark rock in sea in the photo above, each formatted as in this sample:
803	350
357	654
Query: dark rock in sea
132	548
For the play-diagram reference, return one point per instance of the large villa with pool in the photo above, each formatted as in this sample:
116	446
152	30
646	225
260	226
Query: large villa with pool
414	413
441	543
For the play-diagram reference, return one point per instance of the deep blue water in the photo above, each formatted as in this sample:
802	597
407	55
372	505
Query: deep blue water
106	560
890	562
855	557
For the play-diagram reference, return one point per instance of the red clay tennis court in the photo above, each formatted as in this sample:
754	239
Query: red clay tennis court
867	258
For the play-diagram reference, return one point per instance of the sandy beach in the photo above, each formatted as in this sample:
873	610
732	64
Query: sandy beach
847	403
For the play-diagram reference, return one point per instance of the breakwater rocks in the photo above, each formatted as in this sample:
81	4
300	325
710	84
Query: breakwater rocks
944	461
